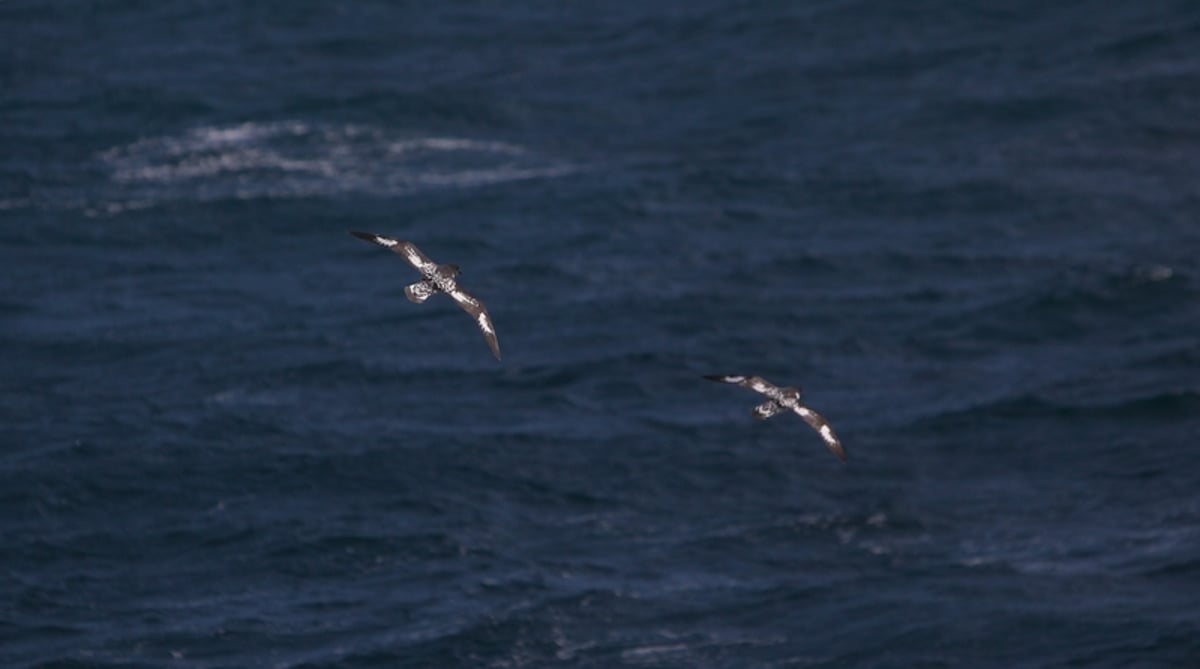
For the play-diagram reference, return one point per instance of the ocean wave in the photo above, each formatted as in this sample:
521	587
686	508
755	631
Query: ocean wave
1052	551
1156	405
296	159
1072	303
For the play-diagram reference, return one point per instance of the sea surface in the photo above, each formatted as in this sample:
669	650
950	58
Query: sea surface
970	231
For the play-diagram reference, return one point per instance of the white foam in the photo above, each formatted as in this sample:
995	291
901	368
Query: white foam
453	144
294	159
1157	272
18	203
112	208
642	651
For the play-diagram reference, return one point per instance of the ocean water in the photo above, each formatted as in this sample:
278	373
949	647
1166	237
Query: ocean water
969	232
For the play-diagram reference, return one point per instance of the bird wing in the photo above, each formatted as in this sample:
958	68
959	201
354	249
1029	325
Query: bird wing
755	383
475	308
818	423
406	250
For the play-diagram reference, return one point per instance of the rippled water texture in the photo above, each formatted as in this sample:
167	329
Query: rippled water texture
968	232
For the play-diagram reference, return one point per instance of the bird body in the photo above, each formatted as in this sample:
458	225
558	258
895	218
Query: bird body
437	279
784	399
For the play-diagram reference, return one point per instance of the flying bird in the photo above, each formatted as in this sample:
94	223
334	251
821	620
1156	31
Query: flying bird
437	279
779	399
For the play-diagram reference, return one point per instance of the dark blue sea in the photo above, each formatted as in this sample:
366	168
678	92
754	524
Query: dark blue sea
970	231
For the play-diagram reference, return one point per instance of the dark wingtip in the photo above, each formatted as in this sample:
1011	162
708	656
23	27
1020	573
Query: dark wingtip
363	235
840	452
714	377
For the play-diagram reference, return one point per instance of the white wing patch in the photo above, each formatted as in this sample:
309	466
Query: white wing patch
757	384
485	323
417	259
479	313
406	250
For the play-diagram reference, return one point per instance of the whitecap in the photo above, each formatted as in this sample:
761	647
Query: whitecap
296	159
15	203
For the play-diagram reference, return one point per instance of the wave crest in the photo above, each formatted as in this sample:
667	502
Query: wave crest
293	159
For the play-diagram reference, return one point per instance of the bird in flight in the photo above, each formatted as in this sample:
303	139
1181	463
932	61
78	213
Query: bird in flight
779	399
437	279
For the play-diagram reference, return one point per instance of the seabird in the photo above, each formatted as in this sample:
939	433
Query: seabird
784	398
437	279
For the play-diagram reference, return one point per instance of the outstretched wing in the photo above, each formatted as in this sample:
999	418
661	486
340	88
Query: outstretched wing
475	308
818	423
406	250
755	383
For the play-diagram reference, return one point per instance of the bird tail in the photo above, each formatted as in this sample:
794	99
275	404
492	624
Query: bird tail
419	291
